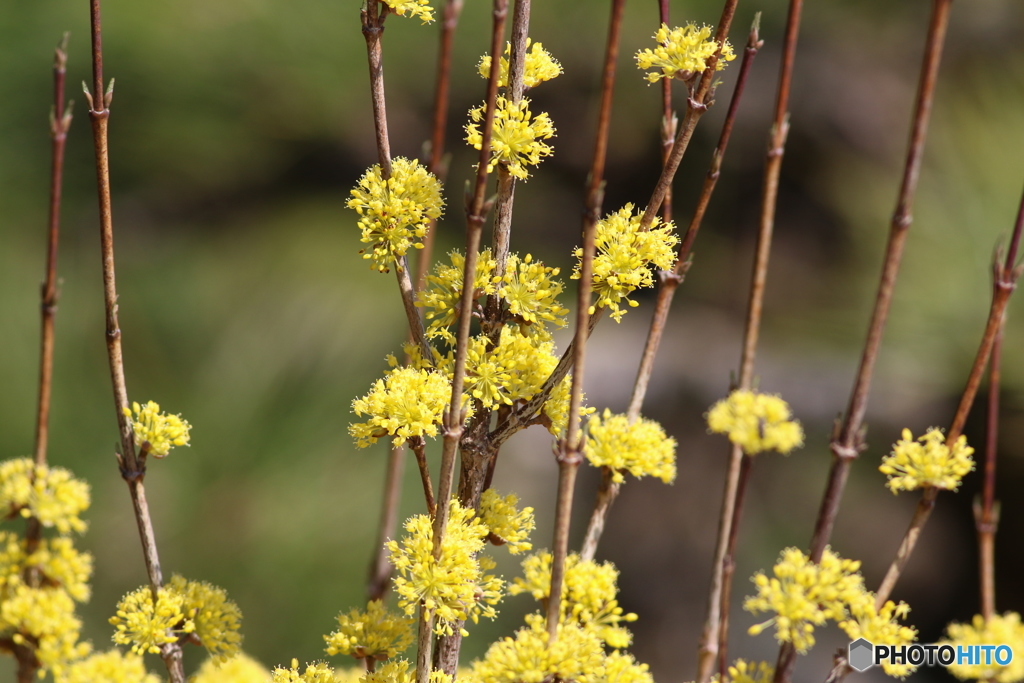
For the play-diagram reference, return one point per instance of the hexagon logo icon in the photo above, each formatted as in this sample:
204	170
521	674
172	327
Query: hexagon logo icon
861	655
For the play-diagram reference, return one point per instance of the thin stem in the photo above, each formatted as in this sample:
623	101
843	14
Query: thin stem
607	492
424	642
850	441
437	165
60	122
476	211
373	26
669	120
380	566
569	449
668	282
132	466
986	515
924	509
412	313
729	566
506	181
419	447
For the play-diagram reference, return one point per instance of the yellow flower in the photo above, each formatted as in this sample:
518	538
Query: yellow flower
317	672
589	593
641	448
455	585
540	66
44	620
395	671
743	671
624	257
394	214
756	422
576	655
377	632
113	666
60	564
804	595
1003	629
146	625
216	618
621	667
239	669
928	461
155	432
406	403
504	521
682	52
50	494
881	627
531	293
443	295
516	136
415	8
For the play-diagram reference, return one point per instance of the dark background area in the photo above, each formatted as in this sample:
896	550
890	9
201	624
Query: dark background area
238	128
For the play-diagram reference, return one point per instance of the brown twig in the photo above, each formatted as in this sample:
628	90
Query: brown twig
848	440
373	14
668	282
133	468
437	165
60	122
1004	280
729	566
419	447
607	492
380	566
986	512
476	211
669	120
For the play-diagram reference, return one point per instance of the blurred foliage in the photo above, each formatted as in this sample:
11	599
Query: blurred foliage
238	127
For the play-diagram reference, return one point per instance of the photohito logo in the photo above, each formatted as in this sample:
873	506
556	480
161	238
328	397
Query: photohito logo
862	654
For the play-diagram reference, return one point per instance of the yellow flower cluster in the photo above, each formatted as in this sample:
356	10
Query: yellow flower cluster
682	52
624	257
576	655
515	137
50	494
928	461
394	213
803	595
43	618
317	672
641	448
507	524
514	369
540	66
181	607
743	671
589	594
216	618
155	432
443	294
376	632
881	627
531	293
1005	629
114	666
56	560
556	408
415	8
239	669
756	422
406	403
455	585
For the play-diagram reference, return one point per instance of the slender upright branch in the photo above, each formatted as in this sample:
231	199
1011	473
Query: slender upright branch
669	120
506	181
419	447
133	468
668	282
476	211
437	164
380	565
1004	280
373	14
60	122
986	512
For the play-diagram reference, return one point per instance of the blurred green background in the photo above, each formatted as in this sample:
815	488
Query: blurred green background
238	128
